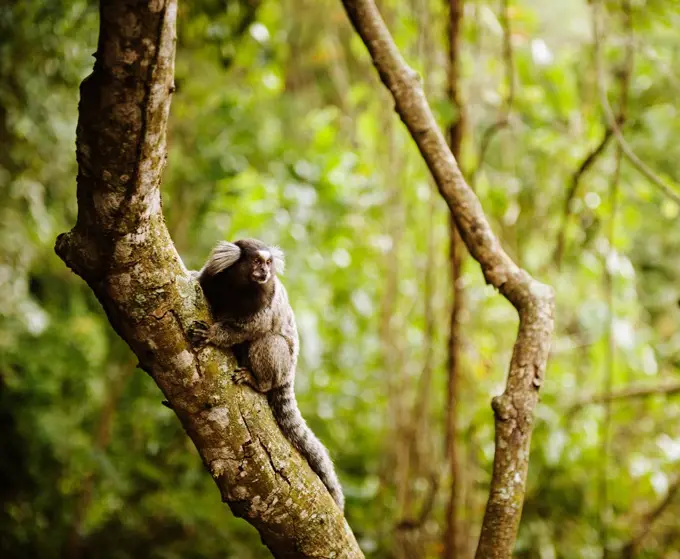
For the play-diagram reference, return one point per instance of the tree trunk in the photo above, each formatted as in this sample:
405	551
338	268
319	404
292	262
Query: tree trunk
121	247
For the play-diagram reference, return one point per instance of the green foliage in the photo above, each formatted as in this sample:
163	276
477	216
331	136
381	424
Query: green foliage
281	130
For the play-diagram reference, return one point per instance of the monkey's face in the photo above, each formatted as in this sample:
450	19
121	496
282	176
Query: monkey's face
260	266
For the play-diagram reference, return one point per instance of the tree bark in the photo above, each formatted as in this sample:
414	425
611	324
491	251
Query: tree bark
533	301
121	247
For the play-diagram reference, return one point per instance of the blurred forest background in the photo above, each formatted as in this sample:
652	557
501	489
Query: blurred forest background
280	130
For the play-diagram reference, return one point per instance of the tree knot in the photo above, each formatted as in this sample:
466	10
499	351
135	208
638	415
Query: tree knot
503	408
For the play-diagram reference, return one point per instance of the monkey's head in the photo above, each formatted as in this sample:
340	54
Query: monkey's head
246	261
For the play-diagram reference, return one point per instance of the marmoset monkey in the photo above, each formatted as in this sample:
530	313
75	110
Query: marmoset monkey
254	318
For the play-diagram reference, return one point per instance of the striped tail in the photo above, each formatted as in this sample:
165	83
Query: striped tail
285	409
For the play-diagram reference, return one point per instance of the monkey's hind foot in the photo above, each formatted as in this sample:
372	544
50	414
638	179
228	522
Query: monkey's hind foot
241	375
199	333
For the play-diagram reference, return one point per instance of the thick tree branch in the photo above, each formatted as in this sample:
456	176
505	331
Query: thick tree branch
121	247
534	301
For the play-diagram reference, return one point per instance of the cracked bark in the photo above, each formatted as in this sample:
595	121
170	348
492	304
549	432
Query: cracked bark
121	247
533	300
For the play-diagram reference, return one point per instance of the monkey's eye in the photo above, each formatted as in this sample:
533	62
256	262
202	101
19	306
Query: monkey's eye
269	261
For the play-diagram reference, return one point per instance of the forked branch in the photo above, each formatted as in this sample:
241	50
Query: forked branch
533	300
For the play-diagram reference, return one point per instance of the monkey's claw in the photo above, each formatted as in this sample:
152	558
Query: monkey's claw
199	333
241	375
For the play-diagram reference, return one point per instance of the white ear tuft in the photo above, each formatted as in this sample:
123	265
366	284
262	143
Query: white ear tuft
279	259
223	256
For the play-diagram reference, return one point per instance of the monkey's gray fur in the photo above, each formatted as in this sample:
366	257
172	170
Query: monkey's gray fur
254	318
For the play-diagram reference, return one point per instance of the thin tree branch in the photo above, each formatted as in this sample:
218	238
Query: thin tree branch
397	456
624	84
586	164
121	247
453	532
630	550
534	301
609	361
591	158
426	508
411	539
629	393
503	118
665	187
421	445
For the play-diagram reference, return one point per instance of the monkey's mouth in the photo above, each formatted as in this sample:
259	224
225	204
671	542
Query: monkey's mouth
261	278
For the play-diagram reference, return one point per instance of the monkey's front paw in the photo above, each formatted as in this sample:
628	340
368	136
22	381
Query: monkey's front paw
241	375
199	333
